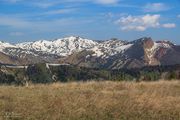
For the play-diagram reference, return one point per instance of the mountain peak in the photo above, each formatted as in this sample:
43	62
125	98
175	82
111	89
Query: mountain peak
141	40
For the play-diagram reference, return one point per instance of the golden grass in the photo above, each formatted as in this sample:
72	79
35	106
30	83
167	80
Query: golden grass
92	101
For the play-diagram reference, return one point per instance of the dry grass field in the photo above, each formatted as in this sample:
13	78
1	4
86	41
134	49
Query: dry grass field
92	101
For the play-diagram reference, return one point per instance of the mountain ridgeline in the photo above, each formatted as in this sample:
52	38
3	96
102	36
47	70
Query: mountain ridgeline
109	54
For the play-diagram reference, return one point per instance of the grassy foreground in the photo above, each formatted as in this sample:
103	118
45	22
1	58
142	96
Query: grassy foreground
92	101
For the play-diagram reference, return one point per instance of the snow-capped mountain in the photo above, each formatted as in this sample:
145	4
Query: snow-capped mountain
66	46
85	52
61	47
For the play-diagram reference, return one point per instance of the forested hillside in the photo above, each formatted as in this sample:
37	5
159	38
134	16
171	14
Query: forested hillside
40	73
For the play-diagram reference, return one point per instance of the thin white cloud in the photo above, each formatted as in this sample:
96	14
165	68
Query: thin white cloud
178	16
169	25
60	11
43	5
49	3
13	21
155	7
19	23
11	1
16	34
139	23
107	2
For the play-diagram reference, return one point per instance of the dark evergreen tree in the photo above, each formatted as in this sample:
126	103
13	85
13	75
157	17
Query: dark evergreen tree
38	73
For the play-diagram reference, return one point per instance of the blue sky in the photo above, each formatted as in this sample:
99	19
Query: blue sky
29	20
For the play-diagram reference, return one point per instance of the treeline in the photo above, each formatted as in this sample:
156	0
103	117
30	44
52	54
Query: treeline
40	73
74	73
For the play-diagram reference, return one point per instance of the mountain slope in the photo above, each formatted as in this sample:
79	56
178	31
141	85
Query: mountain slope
111	54
6	59
135	54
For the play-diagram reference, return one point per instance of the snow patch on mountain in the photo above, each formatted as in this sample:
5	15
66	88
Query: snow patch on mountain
97	51
109	48
4	45
156	46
